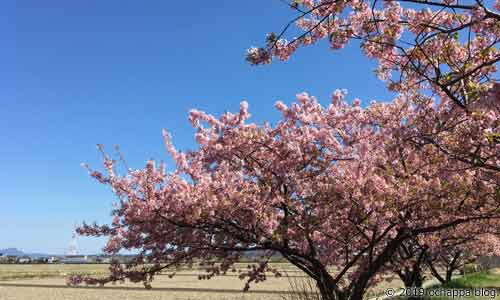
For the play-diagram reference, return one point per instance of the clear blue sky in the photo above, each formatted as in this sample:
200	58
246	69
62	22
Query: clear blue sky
77	73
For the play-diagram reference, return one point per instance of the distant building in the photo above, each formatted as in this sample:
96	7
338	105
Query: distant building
24	260
11	259
105	260
53	260
40	260
75	259
73	248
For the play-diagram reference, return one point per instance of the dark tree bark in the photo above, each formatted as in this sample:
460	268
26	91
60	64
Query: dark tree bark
412	276
450	263
435	273
328	286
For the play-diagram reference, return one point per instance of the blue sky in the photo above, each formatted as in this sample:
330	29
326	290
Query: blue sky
78	73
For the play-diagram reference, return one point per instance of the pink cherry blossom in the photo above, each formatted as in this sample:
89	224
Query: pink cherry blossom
325	186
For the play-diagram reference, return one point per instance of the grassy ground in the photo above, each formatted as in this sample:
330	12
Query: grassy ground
17	272
46	282
476	280
34	271
475	286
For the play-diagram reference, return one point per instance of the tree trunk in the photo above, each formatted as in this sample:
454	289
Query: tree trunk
449	273
327	287
412	278
325	283
328	292
360	284
435	272
413	281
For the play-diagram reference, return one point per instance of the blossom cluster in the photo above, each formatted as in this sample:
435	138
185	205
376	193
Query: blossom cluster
443	46
325	185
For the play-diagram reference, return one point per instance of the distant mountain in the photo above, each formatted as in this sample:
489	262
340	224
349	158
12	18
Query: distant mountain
12	251
17	252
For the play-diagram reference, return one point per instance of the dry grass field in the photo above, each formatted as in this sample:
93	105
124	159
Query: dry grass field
46	282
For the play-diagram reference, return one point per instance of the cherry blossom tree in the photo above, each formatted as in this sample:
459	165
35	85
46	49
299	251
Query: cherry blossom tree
447	47
337	186
331	186
446	251
452	250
